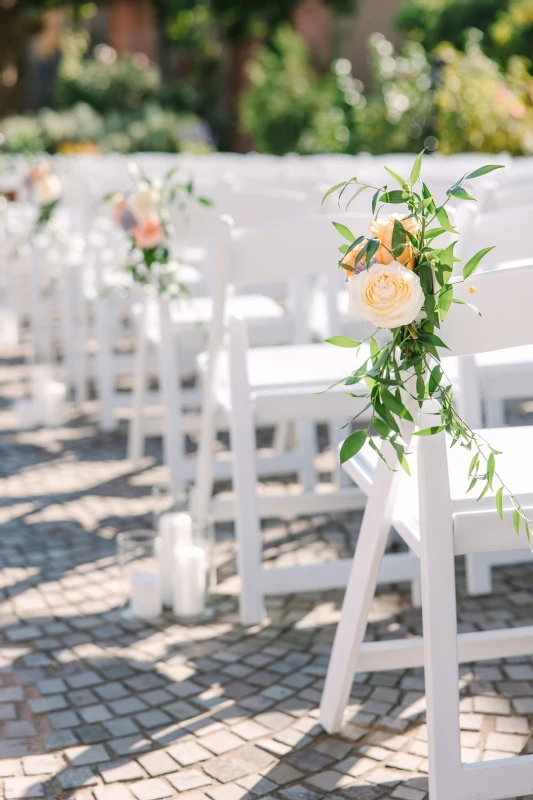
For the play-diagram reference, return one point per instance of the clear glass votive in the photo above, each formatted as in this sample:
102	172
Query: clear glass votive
138	558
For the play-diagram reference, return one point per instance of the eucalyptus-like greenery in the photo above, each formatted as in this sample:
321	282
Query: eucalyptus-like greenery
409	364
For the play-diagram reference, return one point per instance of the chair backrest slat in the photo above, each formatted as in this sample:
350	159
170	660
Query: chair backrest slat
508	229
503	298
290	248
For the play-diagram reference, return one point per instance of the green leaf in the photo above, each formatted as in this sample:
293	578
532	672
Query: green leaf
484	492
445	300
356	194
371	250
381	427
205	201
430	431
417	169
333	189
398	235
471	265
431	309
528	532
435	379
375	198
393	197
491	467
499	502
343	248
477	173
460	193
431	338
396	406
352	445
474	464
398	178
343	341
433	233
375	350
444	220
516	520
344	231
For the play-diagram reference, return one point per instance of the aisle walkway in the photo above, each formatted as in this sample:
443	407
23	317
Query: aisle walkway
92	706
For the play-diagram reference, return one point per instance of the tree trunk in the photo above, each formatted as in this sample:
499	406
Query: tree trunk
313	20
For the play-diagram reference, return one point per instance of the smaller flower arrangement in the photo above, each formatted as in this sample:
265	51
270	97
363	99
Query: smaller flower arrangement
143	216
401	281
45	191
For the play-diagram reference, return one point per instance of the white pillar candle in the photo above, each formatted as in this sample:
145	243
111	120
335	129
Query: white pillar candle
189	585
145	595
53	398
41	375
174	528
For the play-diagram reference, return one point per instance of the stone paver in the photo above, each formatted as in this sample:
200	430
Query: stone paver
96	706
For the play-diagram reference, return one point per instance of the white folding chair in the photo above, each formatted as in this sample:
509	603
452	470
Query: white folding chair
181	327
438	523
260	386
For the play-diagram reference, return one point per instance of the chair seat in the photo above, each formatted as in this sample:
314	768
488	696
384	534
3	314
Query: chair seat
496	535
251	307
287	381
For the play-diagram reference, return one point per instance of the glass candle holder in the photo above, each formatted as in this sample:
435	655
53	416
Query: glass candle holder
139	558
191	572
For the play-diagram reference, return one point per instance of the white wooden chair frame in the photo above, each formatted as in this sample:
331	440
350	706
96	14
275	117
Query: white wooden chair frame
439	534
303	246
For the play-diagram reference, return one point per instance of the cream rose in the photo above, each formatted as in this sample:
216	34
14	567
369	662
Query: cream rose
47	189
382	229
144	202
386	295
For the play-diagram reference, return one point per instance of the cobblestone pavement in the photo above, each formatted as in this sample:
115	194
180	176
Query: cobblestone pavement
95	706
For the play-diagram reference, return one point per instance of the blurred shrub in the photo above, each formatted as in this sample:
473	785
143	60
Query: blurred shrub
507	25
399	106
82	129
21	134
105	82
288	108
482	107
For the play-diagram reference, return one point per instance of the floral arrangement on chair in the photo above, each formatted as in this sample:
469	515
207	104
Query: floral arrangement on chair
399	281
143	215
45	191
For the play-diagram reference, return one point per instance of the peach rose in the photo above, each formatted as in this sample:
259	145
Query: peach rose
387	295
149	233
349	258
382	230
38	171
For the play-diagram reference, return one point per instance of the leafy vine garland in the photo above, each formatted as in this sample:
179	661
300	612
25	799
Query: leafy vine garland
401	282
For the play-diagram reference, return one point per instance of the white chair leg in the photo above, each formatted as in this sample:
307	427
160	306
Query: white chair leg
358	597
439	617
336	437
478	573
247	523
307	448
495	412
104	363
169	378
136	428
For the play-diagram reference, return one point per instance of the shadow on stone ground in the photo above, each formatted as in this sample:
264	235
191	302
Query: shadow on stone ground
93	705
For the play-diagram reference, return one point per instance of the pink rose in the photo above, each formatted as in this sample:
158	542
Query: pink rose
38	171
149	233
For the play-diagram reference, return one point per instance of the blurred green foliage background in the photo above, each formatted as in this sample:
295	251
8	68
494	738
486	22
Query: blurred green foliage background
237	74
